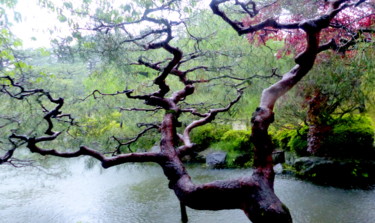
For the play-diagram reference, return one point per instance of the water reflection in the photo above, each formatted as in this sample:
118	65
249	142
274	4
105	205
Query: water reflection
139	194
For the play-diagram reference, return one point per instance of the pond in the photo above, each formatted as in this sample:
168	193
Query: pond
139	194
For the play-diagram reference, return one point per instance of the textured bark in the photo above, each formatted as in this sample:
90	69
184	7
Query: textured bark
263	176
318	128
253	194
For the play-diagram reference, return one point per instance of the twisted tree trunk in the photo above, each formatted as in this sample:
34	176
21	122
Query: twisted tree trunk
253	194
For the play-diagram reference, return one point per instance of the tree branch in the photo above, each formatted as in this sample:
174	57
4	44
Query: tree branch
93	94
207	117
134	139
86	151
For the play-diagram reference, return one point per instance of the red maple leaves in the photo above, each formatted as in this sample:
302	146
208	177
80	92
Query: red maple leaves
353	22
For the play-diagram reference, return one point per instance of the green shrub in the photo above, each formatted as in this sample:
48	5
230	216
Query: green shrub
298	141
208	134
238	140
351	136
221	137
238	147
294	140
282	138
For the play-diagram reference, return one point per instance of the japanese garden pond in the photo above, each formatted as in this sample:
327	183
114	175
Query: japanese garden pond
140	194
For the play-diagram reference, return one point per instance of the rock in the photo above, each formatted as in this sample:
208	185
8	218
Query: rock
216	159
306	164
278	157
335	172
290	157
278	168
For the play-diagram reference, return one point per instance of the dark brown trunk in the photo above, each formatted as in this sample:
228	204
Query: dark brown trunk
184	216
318	127
253	194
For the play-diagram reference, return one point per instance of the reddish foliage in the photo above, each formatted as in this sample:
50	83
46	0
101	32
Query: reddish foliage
344	27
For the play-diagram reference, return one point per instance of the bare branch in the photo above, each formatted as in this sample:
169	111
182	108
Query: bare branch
272	75
7	156
207	117
161	31
346	44
93	94
86	151
241	29
134	139
22	93
244	6
141	109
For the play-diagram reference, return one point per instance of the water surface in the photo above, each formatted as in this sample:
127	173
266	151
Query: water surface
139	194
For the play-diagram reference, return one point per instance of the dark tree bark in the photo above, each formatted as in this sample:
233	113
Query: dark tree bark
318	126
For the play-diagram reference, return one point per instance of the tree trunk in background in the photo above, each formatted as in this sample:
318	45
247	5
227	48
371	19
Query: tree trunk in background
318	126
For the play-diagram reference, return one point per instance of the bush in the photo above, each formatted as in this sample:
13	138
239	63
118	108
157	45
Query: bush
298	141
238	140
238	147
208	134
221	137
293	140
351	137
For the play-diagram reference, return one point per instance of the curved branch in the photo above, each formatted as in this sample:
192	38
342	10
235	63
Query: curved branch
86	151
93	94
7	156
134	139
239	27
160	80
207	117
55	113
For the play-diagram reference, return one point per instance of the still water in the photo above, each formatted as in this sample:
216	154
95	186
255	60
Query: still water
139	194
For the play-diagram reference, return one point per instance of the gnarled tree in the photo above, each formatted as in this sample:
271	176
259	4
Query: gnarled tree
254	194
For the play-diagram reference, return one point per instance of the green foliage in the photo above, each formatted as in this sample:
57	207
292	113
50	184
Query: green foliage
281	138
351	136
8	3
298	141
208	134
237	140
347	85
98	126
294	140
238	147
221	137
